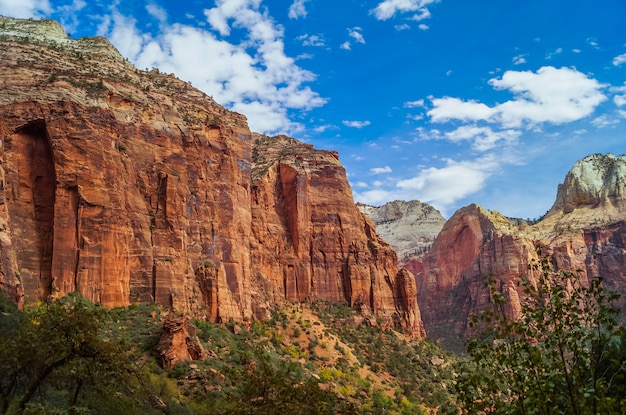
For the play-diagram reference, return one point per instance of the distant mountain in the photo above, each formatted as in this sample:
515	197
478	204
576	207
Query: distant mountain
585	229
409	227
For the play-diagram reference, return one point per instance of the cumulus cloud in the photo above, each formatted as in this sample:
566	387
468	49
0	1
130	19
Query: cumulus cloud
440	187
389	8
254	77
24	8
550	95
448	108
619	100
297	9
380	170
444	186
356	124
619	60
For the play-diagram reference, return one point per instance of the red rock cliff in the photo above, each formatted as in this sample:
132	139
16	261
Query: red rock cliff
585	229
130	186
311	241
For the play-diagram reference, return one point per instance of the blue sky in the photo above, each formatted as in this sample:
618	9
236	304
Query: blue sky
449	102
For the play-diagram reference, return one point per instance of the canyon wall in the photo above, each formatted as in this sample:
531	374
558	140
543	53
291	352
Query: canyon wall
584	230
129	186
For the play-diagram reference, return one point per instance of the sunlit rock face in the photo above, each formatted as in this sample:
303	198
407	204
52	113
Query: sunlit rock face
311	241
409	227
130	186
585	230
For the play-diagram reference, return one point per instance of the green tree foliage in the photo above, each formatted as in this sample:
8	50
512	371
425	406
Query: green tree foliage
564	355
54	356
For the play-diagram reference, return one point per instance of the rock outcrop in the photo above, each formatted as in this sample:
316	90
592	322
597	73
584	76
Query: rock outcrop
179	342
409	227
129	186
585	230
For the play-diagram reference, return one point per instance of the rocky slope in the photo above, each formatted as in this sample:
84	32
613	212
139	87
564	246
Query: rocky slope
585	229
409	227
129	186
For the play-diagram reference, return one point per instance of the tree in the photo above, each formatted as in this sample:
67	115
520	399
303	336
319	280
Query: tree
564	355
58	352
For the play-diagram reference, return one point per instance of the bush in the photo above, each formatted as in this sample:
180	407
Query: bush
558	357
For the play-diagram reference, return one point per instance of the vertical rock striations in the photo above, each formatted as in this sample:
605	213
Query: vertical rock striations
311	241
126	186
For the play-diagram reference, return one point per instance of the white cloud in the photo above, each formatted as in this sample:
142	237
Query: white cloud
24	8
483	138
550	95
311	40
355	33
604	121
447	109
444	186
591	41
323	128
440	187
553	54
380	170
254	77
423	27
414	104
69	15
402	26
619	60
389	8
519	59
421	15
356	124
297	9
346	46
157	12
619	100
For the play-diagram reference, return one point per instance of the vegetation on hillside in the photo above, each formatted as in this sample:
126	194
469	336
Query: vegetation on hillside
71	356
566	354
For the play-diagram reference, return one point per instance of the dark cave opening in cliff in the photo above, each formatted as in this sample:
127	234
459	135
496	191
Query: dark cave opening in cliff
35	207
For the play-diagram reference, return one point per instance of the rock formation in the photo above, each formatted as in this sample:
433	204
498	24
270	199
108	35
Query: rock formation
179	342
409	227
585	229
128	185
311	241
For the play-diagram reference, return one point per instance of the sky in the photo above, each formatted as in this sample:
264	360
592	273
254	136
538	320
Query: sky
449	102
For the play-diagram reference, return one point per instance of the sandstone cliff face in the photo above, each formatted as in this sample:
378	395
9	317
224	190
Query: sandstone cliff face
585	229
128	186
311	242
409	227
